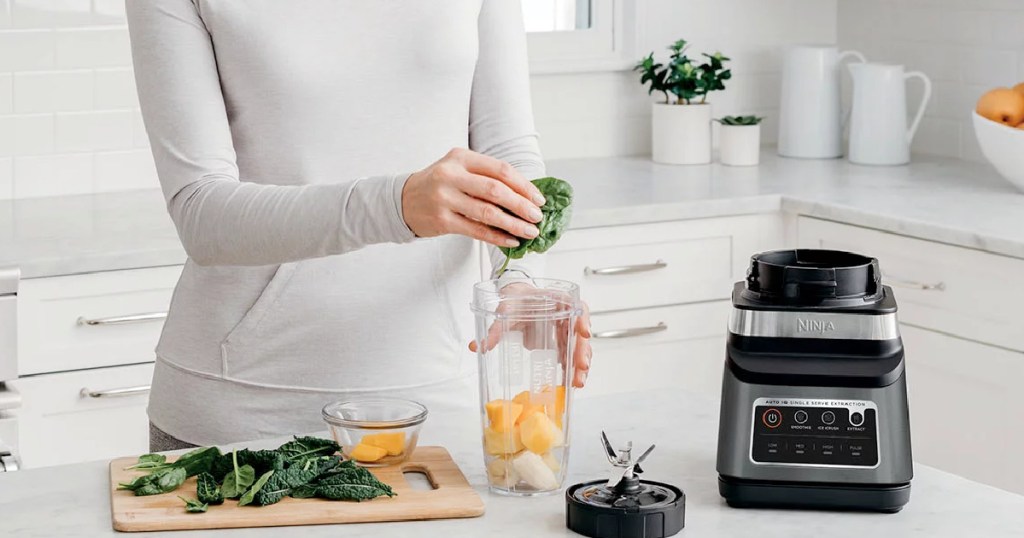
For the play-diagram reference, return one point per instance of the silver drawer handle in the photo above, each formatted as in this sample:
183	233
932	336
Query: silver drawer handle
115	393
117	320
626	269
635	331
912	285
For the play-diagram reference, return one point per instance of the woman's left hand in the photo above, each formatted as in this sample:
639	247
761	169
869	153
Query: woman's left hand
582	352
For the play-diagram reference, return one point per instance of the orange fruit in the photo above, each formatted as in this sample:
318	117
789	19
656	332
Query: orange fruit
1021	127
1019	88
1003	105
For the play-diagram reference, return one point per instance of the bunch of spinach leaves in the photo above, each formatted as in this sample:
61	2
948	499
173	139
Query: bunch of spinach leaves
557	212
303	467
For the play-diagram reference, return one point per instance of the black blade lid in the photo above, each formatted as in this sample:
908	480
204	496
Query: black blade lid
633	509
813	277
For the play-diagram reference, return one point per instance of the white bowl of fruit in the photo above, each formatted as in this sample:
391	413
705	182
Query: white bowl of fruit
999	127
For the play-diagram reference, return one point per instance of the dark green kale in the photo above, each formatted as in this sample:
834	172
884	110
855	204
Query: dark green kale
282	483
250	495
262	460
304	491
157	482
238	479
354	476
222	465
193	506
198	461
207	489
557	211
302	448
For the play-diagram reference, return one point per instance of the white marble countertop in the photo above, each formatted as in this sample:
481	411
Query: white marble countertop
72	501
944	200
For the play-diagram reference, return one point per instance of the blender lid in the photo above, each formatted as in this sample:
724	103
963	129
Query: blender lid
813	277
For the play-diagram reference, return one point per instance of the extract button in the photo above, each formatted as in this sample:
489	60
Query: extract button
856	418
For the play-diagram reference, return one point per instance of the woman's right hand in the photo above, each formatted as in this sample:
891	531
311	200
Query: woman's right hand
472	194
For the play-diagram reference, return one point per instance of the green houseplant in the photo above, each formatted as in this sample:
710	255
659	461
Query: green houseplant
739	141
681	125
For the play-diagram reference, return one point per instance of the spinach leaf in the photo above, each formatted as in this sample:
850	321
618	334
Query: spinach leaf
150	461
557	211
194	506
302	448
250	495
282	483
238	480
207	489
198	461
157	482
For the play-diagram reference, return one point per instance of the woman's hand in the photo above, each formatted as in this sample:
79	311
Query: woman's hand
582	352
468	193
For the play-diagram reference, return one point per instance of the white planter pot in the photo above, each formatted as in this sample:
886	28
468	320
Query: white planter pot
740	145
681	134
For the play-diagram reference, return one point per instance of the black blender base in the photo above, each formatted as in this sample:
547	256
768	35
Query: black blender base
741	493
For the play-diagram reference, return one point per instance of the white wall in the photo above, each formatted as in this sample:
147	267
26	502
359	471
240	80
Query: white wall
69	120
966	46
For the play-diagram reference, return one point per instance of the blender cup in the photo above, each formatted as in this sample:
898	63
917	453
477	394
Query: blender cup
525	333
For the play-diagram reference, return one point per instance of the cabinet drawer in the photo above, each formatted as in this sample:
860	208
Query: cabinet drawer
86	321
965	412
954	290
687	354
59	422
648	265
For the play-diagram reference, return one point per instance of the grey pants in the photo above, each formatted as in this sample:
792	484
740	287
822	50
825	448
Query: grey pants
161	441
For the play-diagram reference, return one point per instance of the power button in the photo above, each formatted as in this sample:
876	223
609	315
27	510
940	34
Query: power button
772	418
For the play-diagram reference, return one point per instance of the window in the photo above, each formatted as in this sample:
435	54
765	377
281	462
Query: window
580	35
556	15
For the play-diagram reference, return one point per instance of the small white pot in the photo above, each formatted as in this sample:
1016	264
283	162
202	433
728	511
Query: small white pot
740	145
681	134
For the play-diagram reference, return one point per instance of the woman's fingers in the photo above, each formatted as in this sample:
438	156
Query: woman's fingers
581	359
501	195
479	163
477	230
493	216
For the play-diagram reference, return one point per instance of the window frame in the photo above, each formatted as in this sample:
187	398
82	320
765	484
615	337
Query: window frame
610	44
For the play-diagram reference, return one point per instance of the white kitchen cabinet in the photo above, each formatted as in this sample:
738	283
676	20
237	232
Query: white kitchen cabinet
965	412
955	290
84	415
92	320
680	346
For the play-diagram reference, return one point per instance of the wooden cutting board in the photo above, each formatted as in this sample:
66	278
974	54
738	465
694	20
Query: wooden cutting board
452	498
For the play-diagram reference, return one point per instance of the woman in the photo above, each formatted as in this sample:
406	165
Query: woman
293	142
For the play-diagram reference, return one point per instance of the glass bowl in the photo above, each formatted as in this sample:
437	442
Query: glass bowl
375	431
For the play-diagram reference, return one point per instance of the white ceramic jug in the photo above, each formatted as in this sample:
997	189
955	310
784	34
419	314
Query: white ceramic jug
878	127
811	115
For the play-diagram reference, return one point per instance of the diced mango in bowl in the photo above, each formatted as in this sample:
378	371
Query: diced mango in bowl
367	453
393	442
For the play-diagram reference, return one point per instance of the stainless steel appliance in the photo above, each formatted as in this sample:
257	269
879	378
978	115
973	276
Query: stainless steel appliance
9	399
814	407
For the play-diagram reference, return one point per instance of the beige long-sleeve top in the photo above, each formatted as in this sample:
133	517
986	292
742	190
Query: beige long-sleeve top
283	133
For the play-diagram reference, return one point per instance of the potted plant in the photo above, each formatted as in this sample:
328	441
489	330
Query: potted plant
681	126
739	141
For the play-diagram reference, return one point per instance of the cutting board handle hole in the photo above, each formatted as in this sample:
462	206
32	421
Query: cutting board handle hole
418	479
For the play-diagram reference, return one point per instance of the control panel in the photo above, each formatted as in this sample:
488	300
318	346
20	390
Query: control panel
816	432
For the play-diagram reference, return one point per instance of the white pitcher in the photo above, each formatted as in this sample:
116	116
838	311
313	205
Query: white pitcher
878	127
811	115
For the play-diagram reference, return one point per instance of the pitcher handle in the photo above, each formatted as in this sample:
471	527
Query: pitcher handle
924	102
842	56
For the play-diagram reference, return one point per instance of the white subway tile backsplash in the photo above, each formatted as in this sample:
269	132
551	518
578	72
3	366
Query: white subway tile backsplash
92	47
989	67
23	50
49	91
94	131
5	14
115	88
50	175
50	13
108	11
6	93
125	170
29	134
6	178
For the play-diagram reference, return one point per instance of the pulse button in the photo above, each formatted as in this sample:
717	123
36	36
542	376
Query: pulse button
772	418
856	418
800	417
828	417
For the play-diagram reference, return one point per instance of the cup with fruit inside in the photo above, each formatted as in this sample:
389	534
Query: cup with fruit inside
999	127
375	431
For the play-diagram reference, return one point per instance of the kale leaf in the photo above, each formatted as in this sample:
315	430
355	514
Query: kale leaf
282	483
557	211
262	460
198	461
193	506
207	489
302	448
250	495
349	492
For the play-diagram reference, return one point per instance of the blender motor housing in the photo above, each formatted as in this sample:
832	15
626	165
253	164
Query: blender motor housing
814	409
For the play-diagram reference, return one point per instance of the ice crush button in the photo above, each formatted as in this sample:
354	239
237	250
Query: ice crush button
772	418
828	417
856	418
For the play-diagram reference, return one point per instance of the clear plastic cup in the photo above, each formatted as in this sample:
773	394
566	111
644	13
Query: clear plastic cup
525	335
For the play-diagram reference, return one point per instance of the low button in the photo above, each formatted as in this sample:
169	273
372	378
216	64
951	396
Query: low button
772	418
828	417
856	418
800	417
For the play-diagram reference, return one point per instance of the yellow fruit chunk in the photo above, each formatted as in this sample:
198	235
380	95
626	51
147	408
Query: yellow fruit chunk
553	400
367	453
538	433
498	443
393	442
552	462
523	398
503	414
